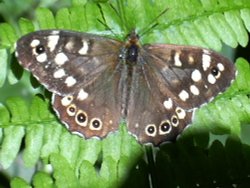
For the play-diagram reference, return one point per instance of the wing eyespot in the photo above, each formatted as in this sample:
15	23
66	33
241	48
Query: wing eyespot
151	130
40	49
174	121
81	118
71	110
214	71
95	124
165	127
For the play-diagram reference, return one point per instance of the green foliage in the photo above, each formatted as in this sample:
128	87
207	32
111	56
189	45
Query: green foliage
31	126
3	65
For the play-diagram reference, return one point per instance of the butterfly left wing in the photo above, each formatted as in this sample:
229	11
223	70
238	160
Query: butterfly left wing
80	70
66	61
173	82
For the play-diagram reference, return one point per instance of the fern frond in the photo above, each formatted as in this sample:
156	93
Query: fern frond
19	183
3	65
188	166
43	136
206	23
43	180
227	113
95	163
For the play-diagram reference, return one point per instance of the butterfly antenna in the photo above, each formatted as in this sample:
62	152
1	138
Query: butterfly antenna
153	23
148	29
103	21
121	13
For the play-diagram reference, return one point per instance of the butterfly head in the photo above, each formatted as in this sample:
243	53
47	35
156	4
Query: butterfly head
133	37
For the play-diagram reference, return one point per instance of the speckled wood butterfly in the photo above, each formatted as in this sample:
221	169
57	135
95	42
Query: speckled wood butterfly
97	82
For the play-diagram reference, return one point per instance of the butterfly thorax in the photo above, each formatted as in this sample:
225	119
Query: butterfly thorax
129	53
129	60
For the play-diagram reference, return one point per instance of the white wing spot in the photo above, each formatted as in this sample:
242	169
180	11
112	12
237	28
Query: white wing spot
211	79
52	41
82	95
221	67
48	64
59	73
61	58
69	46
66	100
205	51
84	49
194	90
206	60
41	58
180	113
190	59
34	43
168	104
183	95
55	32
196	75
177	61
70	81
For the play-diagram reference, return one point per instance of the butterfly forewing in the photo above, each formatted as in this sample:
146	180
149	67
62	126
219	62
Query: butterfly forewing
65	61
190	76
97	82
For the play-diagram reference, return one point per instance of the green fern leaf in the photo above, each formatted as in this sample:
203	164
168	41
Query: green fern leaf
43	180
3	66
45	18
19	183
95	163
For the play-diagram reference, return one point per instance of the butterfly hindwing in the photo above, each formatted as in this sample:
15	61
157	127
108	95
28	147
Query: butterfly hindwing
155	121
93	114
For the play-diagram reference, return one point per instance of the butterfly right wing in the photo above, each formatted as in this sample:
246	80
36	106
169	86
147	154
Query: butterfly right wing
168	84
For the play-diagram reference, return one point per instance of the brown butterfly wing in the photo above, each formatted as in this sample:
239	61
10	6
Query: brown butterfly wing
169	83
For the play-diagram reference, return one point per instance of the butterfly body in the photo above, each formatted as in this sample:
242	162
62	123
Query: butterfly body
97	82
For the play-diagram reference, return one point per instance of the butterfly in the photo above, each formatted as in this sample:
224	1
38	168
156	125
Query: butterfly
97	82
